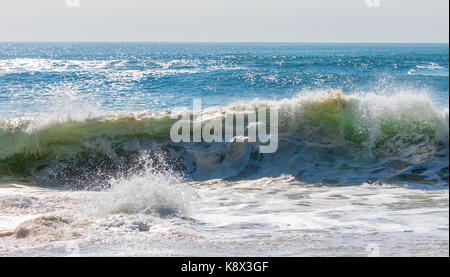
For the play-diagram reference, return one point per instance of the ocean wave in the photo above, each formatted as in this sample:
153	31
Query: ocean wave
324	137
115	67
430	69
431	66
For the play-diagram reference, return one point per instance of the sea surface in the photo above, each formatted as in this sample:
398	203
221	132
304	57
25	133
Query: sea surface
88	167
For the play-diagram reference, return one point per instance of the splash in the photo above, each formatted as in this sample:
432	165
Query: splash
151	192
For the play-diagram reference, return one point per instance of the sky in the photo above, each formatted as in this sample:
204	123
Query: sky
403	21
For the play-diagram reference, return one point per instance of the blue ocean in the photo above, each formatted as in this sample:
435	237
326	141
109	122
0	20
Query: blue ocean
86	157
127	77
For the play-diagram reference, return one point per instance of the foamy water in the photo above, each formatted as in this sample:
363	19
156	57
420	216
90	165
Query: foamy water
270	216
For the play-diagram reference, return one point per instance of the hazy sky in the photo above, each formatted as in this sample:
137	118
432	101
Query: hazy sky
225	20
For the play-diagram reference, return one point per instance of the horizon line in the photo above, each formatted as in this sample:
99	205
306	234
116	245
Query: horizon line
243	42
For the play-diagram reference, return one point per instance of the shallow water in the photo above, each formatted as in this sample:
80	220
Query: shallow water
265	217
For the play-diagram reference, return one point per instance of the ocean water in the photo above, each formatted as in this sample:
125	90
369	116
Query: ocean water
87	166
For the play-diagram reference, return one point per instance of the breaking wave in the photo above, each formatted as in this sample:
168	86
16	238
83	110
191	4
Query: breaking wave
324	137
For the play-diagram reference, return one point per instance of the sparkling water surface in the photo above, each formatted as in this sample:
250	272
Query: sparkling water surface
37	78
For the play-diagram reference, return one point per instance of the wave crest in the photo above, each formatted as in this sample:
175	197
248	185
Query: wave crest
369	129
